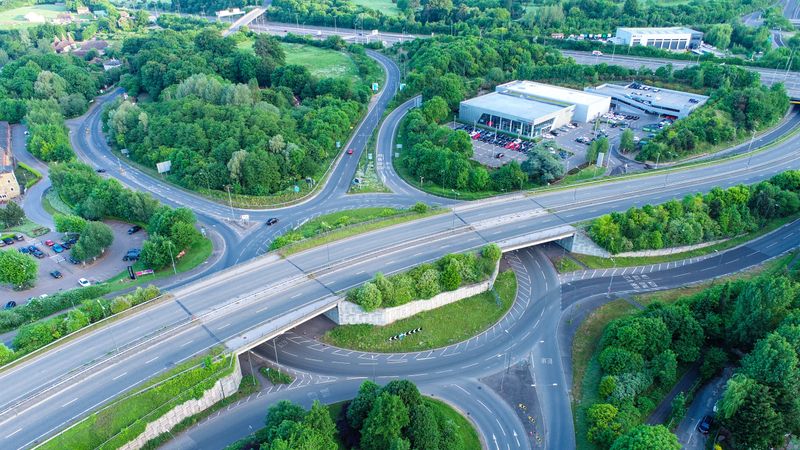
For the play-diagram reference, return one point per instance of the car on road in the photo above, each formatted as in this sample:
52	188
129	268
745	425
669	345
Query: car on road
11	304
349	151
101	170
132	255
56	274
272	221
8	241
49	243
134	229
705	424
83	282
58	248
500	155
597	53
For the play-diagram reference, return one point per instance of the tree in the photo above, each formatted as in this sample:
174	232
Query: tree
647	437
96	237
428	284
6	354
369	297
626	143
69	223
719	35
631	8
157	252
773	361
451	276
360	407
423	430
12	215
492	252
595	148
319	419
18	269
385	422
386	287
754	407
713	361
282	411
436	110
406	390
542	167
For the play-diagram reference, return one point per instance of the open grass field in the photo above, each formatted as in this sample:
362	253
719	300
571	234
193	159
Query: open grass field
15	18
322	63
387	7
443	326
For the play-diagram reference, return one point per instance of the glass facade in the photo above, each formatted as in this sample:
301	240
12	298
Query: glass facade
512	126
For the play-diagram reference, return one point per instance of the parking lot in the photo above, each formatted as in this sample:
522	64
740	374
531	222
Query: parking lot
494	149
109	264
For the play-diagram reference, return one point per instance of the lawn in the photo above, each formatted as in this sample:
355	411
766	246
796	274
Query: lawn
29	228
53	204
193	258
443	326
469	437
387	7
565	264
15	18
321	62
26	176
352	230
598	262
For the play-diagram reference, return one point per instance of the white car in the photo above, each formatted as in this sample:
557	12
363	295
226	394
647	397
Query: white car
84	282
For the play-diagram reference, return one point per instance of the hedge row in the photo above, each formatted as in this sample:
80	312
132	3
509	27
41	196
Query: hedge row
426	280
39	308
36	335
699	218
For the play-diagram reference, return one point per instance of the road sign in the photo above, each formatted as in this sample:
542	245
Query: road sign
338	144
164	166
399	145
375	87
600	157
296	188
131	275
369	156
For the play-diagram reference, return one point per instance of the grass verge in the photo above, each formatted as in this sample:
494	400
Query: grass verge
564	264
275	376
127	417
598	262
28	228
353	230
193	258
469	437
587	173
53	204
443	326
26	175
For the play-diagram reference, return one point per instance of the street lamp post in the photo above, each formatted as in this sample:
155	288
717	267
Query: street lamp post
171	257
750	146
230	201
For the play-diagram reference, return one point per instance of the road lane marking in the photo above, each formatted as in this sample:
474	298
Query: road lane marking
224	326
69	402
151	360
186	343
119	376
15	432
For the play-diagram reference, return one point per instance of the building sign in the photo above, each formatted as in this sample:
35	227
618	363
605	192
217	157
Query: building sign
144	272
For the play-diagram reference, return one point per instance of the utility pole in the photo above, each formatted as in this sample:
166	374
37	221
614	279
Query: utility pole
172	258
230	201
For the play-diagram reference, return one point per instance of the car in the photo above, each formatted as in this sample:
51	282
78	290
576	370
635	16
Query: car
56	274
58	248
49	243
132	255
83	282
2	244
8	241
11	304
38	254
66	245
33	248
24	250
500	155
72	241
100	170
349	151
73	260
272	221
597	53
19	237
134	229
705	424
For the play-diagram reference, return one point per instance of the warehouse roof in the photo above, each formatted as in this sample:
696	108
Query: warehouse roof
662	30
507	105
655	96
550	93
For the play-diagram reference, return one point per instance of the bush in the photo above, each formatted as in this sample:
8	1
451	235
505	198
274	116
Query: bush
39	308
419	208
120	304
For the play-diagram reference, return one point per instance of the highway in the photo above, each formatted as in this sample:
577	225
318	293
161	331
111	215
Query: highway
268	289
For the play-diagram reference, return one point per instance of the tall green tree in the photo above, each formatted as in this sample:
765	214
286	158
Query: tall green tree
385	422
647	437
17	269
96	237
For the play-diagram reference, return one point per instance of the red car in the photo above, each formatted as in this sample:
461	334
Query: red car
49	243
350	151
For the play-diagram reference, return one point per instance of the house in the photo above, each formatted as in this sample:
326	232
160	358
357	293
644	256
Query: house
82	10
9	187
63	19
92	44
63	44
111	64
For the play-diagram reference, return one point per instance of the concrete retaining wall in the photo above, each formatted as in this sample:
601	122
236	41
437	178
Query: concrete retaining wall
349	313
671	250
224	387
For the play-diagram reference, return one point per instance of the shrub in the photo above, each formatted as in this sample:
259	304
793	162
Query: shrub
419	208
120	304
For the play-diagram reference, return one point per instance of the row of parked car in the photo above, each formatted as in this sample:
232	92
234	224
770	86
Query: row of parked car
501	140
11	240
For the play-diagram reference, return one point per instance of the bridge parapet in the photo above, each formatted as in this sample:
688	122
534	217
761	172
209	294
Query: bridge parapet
559	233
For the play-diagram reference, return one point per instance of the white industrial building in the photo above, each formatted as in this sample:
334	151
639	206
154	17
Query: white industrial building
670	38
530	109
652	100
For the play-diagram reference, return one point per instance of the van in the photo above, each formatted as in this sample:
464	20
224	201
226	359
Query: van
597	53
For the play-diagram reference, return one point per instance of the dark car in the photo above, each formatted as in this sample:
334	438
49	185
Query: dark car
134	229
73	260
132	255
19	237
56	274
11	304
705	424
66	245
72	241
8	241
24	250
32	248
272	221
101	170
39	254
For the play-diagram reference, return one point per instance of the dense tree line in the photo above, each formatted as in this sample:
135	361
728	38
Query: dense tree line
395	416
756	318
94	197
426	280
227	117
721	213
207	7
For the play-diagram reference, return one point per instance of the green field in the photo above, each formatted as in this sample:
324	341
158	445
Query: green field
15	18
322	63
387	7
443	326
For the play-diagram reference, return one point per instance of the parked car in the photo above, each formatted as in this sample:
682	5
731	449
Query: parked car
24	250
705	424
500	155
11	304
38	254
134	229
8	241
56	274
84	282
58	248
72	241
66	245
132	255
49	243
73	260
272	221
19	237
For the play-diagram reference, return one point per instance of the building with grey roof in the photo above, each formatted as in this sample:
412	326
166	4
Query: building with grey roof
652	100
530	109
